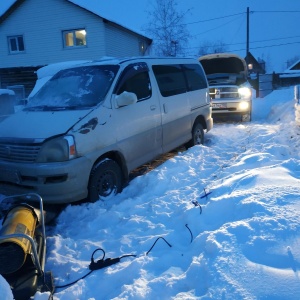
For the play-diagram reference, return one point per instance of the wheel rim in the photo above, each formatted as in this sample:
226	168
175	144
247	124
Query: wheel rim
198	137
106	185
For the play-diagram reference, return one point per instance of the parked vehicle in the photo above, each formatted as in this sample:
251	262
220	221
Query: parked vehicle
7	101
228	86
86	127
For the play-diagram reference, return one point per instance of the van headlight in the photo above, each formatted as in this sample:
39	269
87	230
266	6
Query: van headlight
244	105
57	150
245	92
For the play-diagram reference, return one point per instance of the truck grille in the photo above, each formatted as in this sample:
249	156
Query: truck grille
224	93
19	152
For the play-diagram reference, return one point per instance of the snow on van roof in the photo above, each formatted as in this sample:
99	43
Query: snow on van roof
52	69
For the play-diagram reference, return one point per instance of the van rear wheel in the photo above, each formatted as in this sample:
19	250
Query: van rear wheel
197	136
105	180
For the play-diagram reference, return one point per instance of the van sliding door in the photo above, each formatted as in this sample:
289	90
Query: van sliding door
176	121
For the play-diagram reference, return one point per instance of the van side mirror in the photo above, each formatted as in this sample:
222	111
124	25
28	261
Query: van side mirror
126	98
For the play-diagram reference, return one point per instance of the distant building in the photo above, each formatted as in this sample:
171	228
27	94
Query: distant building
256	66
289	77
36	33
295	66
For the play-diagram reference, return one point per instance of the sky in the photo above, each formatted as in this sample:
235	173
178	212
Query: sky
273	25
225	217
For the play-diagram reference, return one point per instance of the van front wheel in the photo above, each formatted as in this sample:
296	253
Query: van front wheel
197	136
105	180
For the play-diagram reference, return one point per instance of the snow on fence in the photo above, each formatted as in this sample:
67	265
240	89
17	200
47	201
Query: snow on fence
297	104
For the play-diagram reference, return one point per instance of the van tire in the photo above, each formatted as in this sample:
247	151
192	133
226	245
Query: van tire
197	136
105	180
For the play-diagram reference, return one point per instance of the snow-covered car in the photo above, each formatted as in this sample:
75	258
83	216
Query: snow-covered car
229	88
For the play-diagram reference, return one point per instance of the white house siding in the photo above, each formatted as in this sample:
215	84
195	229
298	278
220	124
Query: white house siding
41	23
120	43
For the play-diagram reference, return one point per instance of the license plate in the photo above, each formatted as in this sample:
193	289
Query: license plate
9	176
219	105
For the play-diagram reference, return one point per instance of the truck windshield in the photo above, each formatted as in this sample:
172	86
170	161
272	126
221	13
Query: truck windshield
75	88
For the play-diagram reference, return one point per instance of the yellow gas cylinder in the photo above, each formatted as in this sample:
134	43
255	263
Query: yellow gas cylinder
21	219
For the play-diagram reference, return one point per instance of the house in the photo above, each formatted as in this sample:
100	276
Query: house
35	33
289	77
256	66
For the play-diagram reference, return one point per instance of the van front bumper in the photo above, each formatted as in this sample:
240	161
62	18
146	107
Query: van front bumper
62	182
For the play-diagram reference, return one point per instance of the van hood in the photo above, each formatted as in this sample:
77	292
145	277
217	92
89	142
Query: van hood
39	125
224	65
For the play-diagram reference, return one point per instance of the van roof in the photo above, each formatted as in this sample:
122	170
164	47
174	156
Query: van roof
50	70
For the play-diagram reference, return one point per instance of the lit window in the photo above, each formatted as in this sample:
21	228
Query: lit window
16	44
142	47
74	38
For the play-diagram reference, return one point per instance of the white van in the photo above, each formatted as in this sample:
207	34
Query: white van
91	123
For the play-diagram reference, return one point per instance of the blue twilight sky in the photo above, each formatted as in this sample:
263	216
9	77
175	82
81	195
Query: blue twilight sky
274	24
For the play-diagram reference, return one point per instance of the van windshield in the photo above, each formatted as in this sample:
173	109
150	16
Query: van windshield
75	88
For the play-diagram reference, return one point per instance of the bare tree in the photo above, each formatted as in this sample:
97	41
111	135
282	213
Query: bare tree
165	25
207	47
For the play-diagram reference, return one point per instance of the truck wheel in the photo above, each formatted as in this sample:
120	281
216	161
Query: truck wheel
197	136
246	117
105	180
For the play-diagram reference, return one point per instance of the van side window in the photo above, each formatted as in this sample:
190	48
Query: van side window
135	79
195	77
170	79
138	84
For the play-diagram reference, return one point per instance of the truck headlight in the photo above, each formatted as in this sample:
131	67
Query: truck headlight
57	150
244	105
245	92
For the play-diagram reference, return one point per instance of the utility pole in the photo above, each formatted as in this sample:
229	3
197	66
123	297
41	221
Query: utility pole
247	30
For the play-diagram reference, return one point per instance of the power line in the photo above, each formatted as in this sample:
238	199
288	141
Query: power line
213	19
262	41
242	13
216	27
275	11
251	48
275	45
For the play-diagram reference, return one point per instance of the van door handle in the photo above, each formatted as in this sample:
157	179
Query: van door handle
165	108
153	107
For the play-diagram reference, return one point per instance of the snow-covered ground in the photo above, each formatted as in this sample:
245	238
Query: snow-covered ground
244	245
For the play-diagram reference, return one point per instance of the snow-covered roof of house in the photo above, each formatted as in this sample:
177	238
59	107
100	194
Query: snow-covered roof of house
292	71
98	8
294	67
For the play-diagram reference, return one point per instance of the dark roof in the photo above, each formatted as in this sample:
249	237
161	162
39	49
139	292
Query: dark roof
295	66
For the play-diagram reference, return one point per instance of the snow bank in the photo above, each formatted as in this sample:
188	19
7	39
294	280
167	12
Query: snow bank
5	290
219	221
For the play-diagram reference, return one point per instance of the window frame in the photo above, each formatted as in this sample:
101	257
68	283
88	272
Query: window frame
196	69
16	39
130	73
73	32
165	78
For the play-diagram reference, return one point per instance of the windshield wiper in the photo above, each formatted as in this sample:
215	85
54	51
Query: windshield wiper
38	108
55	108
